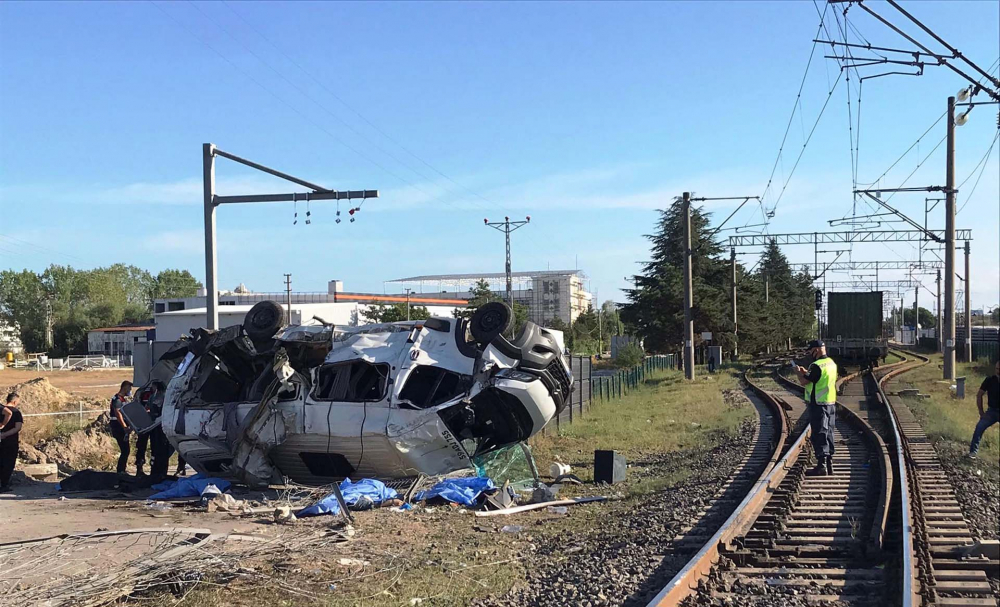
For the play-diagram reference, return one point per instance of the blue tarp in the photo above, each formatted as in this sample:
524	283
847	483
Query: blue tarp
463	491
365	489
188	487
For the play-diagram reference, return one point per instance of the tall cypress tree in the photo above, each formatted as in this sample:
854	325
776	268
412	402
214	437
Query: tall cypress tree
655	308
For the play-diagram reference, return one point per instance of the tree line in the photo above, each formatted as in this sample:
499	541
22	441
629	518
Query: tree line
774	301
73	302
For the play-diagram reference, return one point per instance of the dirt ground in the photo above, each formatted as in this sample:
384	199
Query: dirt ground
84	384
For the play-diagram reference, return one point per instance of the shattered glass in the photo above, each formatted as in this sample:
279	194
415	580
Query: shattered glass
507	464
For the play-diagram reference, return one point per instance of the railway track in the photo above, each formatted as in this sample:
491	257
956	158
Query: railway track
939	550
836	539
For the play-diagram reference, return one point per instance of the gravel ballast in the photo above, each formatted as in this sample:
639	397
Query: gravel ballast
630	556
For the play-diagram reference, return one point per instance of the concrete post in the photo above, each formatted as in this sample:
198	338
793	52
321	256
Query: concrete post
211	258
967	346
688	295
949	248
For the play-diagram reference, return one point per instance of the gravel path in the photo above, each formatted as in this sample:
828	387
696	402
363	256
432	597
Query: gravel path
632	555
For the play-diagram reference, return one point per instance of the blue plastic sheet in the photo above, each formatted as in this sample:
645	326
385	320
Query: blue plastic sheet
189	487
367	489
463	491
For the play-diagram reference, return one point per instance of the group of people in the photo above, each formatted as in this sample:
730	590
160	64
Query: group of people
153	440
820	381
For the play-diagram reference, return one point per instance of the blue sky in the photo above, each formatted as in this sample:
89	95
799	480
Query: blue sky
586	116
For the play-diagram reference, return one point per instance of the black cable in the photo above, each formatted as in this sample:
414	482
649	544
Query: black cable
808	139
798	98
984	162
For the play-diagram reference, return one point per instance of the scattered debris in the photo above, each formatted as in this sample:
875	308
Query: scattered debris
511	529
464	491
527	507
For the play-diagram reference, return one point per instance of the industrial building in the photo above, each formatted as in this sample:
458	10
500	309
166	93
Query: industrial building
119	341
548	294
177	316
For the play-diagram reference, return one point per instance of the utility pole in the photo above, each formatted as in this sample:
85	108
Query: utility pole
288	295
949	248
916	313
736	329
507	226
211	256
967	348
408	289
940	343
688	287
819	329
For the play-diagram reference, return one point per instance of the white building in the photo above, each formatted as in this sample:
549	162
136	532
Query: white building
118	341
10	339
547	294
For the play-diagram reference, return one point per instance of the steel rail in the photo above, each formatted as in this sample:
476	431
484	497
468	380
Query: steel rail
910	567
685	582
876	534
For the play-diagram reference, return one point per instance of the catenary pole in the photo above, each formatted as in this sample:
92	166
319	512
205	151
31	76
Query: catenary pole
949	248
688	296
288	296
940	342
211	257
736	326
967	346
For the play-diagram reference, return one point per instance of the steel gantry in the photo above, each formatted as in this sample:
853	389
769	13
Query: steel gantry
761	240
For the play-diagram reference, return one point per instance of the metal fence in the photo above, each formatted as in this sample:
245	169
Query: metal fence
589	388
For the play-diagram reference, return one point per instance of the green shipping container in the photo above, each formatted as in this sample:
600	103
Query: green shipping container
854	315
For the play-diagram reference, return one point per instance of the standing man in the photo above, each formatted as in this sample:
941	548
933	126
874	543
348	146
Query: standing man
118	428
820	381
990	415
11	421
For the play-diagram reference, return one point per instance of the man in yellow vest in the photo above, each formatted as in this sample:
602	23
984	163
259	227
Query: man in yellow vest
820	381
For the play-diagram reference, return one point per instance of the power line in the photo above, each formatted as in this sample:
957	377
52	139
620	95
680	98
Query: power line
982	162
808	139
797	104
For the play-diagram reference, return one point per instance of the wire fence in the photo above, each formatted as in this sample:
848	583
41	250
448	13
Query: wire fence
605	387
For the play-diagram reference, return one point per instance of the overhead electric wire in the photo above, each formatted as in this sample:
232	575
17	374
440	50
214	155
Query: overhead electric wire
806	143
984	162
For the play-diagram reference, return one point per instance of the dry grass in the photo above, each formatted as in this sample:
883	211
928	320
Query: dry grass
665	414
451	559
946	418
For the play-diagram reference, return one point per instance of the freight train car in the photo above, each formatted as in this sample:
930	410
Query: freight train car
854	326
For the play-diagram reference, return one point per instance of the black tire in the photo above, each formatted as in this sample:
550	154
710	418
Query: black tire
263	320
491	320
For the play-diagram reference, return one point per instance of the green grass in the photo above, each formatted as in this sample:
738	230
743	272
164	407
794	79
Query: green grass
946	418
665	414
891	358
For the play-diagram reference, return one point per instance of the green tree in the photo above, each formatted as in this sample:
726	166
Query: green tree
927	318
379	313
23	298
481	294
174	283
655	307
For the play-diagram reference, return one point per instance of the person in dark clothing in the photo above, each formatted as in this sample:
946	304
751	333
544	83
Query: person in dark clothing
991	414
820	381
118	428
11	422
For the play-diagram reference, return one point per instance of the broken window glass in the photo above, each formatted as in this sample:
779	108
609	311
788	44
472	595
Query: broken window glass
493	419
356	381
428	386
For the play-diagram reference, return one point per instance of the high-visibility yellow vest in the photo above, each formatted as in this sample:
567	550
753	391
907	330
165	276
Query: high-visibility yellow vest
825	389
